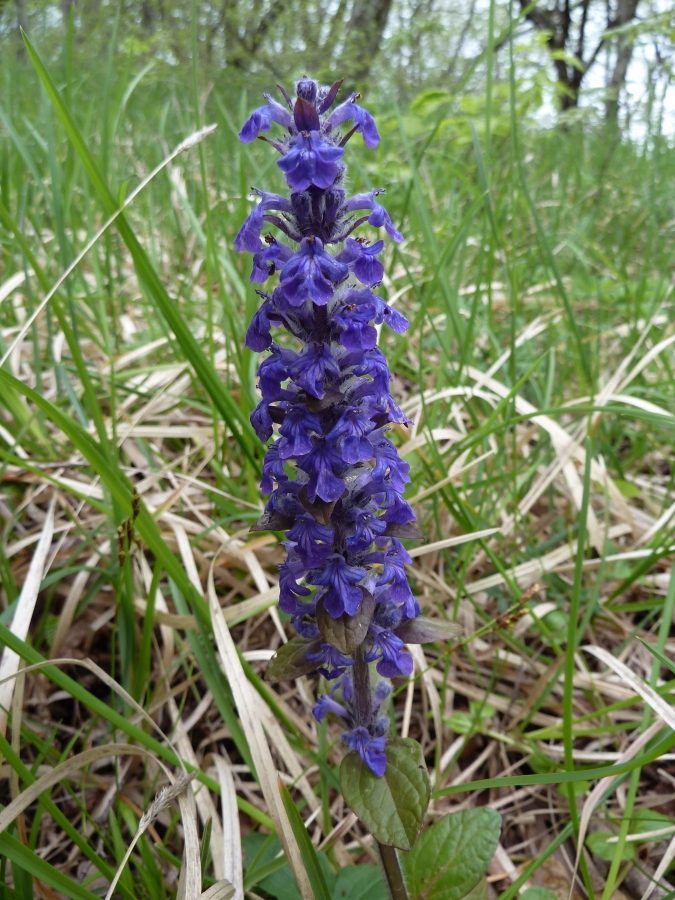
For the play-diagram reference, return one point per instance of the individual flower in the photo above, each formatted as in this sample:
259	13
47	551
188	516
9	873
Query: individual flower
324	465
334	663
314	542
325	705
311	161
261	120
362	260
378	216
370	749
341	580
269	259
289	589
394	660
298	426
363	121
248	237
311	273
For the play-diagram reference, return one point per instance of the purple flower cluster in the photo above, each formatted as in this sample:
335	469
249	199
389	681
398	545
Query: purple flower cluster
335	478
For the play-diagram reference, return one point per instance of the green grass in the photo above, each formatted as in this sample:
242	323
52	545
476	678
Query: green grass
541	258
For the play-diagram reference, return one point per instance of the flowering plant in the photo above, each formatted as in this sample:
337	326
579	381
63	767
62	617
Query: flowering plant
334	477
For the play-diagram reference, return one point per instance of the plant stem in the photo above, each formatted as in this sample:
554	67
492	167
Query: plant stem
363	706
392	870
363	714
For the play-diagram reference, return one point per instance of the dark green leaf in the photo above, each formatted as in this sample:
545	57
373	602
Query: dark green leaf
646	820
272	521
480	892
264	866
392	807
290	661
452	856
361	882
597	843
424	630
409	530
348	632
538	893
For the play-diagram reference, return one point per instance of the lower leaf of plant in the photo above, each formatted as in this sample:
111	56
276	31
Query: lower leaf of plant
392	807
452	856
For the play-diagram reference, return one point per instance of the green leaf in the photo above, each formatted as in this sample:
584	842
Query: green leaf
290	661
424	630
480	892
645	820
392	807
627	488
361	882
452	856
265	865
308	852
538	893
460	722
346	633
597	843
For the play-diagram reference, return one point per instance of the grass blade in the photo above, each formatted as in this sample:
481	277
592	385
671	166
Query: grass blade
307	850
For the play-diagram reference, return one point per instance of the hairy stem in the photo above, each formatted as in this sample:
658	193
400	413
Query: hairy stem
392	870
362	700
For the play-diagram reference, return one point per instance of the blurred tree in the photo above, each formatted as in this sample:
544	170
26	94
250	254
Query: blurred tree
22	18
363	39
387	47
568	29
626	12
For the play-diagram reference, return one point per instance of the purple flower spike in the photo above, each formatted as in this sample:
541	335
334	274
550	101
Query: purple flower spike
370	749
261	120
333	473
311	161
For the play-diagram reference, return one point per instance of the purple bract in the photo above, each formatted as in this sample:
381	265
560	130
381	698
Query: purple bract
334	476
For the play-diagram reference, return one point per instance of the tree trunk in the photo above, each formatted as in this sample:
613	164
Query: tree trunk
21	15
364	35
66	6
625	13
